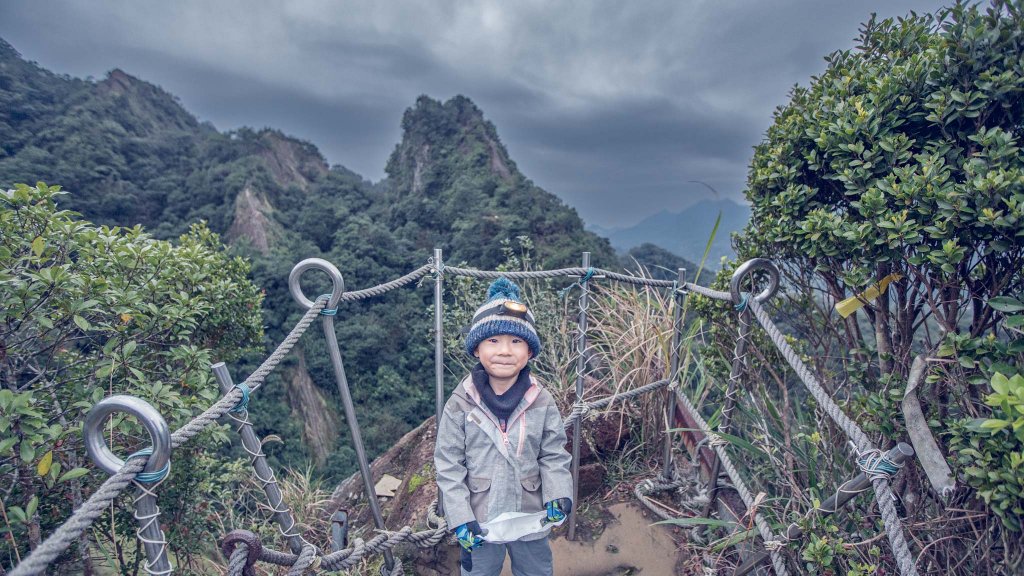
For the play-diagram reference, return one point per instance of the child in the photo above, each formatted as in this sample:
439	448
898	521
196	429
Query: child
501	442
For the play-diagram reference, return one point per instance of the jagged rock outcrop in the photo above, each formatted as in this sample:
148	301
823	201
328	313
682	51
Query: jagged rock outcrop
252	222
320	423
291	161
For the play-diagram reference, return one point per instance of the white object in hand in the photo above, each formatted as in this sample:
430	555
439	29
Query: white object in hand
511	526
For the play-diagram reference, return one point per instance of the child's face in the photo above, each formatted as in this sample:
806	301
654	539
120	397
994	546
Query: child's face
503	356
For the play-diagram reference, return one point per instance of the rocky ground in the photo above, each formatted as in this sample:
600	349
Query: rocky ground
615	534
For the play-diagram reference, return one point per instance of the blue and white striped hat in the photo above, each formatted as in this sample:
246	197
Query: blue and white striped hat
503	313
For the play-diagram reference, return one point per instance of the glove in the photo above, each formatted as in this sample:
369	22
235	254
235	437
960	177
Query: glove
557	510
469	535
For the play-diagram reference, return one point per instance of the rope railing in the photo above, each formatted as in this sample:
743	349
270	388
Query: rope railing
100	500
244	553
883	494
763	528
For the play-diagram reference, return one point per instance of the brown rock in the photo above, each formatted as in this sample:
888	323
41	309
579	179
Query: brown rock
592	477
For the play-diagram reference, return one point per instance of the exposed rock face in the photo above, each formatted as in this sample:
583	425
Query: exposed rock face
320	424
251	219
498	157
291	161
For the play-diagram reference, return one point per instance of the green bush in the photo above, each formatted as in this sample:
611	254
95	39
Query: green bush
902	157
87	311
991	451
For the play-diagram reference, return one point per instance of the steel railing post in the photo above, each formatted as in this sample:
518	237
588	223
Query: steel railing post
581	365
678	297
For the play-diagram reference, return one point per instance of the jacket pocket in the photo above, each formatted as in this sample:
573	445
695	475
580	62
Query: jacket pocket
479	490
532	501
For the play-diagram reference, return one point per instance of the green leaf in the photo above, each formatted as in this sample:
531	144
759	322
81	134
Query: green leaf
994	424
72	474
6	444
17	513
30	509
1006	304
82	322
27	452
735	539
1000	383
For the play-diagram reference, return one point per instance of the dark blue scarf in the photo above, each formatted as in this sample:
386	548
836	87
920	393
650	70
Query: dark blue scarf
501	405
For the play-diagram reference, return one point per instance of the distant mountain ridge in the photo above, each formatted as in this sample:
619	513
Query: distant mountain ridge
684	233
129	153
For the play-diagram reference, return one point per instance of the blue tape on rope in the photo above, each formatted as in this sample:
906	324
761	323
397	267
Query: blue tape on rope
150	477
243	404
327	311
742	305
878	464
583	280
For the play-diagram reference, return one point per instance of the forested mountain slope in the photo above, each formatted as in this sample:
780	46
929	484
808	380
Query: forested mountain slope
128	153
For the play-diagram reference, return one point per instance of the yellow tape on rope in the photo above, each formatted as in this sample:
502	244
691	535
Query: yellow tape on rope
854	303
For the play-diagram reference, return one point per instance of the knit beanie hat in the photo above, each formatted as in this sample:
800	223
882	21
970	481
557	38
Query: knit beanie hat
503	313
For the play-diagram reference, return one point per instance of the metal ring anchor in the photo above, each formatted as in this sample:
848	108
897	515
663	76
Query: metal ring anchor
748	268
96	446
318	264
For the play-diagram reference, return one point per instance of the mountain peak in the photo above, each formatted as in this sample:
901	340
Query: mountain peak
435	133
147	109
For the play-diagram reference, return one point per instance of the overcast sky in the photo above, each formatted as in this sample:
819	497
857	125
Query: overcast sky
614	106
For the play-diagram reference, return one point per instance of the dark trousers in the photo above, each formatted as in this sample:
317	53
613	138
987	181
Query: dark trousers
532	558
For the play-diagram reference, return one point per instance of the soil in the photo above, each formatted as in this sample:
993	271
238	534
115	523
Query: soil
626	543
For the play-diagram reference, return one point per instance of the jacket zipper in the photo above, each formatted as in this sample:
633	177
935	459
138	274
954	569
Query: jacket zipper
504	434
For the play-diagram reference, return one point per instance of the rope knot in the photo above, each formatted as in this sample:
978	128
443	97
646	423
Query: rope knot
876	465
714	440
150	477
742	304
327	311
437	266
243	403
582	409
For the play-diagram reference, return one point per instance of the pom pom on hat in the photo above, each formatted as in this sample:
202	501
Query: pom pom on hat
503	288
490	320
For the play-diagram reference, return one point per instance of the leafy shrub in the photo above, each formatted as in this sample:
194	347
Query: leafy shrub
902	157
991	451
87	311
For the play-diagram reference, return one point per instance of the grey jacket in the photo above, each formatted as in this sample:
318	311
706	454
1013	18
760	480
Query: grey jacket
483	472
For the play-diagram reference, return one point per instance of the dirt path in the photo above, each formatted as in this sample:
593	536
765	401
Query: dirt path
627	545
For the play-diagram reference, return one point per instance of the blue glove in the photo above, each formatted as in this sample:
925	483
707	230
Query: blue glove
469	535
557	510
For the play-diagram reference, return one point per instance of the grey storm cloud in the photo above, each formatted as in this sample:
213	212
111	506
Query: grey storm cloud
616	107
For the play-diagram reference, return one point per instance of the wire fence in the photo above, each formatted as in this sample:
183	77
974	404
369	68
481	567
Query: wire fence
245	550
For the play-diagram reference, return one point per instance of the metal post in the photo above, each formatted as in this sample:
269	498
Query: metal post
146	511
581	365
339	375
846	492
745	270
670	399
439	352
729	402
264	473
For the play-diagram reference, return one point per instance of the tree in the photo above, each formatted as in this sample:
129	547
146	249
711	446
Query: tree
902	158
87	311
